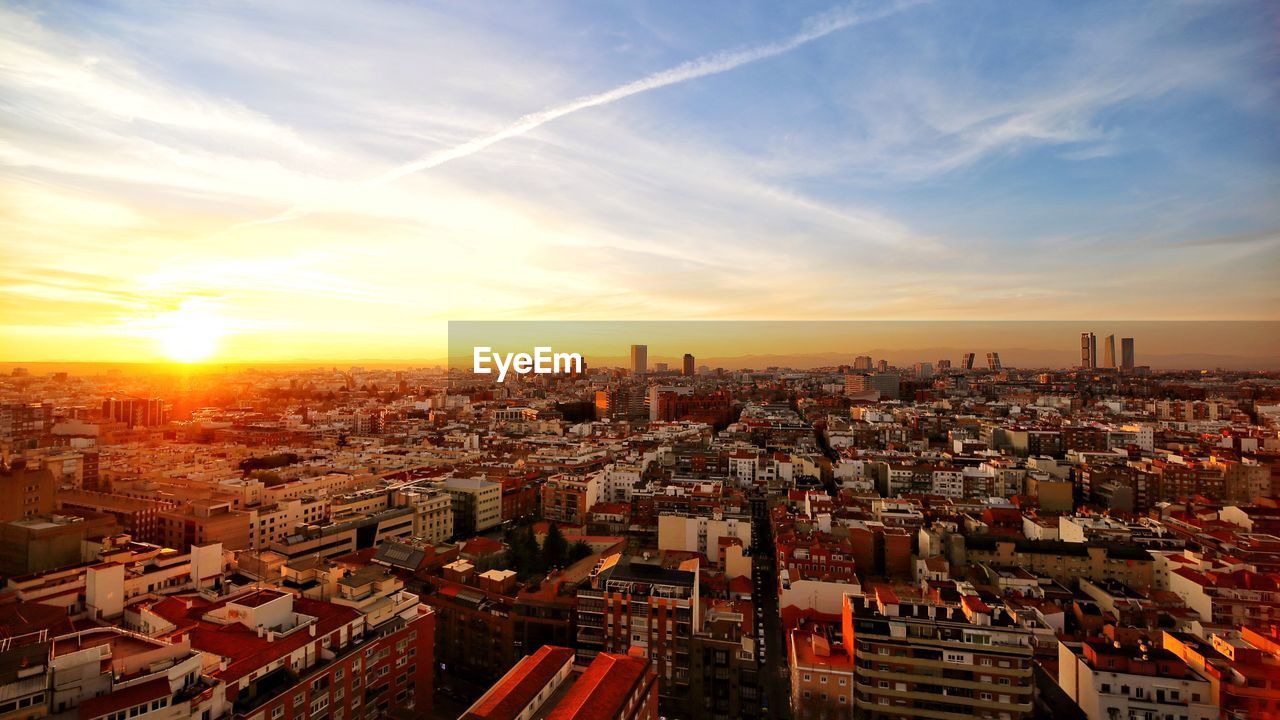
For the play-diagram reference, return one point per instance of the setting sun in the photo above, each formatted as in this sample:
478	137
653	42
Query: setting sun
189	334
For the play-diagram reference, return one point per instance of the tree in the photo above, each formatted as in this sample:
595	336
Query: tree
555	548
578	551
522	553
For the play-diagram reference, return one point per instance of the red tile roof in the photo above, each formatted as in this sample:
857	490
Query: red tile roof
242	647
520	685
482	546
602	690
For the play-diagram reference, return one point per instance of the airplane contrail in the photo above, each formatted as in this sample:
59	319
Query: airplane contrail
814	28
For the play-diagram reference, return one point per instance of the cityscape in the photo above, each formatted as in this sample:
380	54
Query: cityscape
954	538
717	360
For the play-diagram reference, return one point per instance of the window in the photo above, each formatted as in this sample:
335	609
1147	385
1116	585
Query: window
277	712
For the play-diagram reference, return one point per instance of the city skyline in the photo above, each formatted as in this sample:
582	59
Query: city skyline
820	360
223	185
805	345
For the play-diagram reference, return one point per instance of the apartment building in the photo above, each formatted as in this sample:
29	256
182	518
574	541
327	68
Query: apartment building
201	522
701	534
944	654
545	685
1118	677
821	675
633	604
432	512
566	499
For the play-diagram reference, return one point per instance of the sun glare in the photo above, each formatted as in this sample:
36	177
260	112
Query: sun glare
189	334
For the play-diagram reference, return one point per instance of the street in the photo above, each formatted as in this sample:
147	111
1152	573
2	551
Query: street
775	691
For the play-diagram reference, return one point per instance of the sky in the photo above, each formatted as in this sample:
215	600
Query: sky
312	180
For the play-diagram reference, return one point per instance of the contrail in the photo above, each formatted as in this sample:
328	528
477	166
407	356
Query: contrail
814	28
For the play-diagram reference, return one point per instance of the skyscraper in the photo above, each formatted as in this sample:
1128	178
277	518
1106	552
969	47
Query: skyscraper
1126	354
1109	352
993	362
639	359
1088	351
687	371
968	361
862	362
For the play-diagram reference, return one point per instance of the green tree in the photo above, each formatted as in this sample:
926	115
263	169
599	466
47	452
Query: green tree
555	548
578	551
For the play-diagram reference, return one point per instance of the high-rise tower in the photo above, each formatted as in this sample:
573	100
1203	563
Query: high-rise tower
1088	350
639	359
1126	354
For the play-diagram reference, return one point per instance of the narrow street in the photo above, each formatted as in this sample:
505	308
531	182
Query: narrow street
775	689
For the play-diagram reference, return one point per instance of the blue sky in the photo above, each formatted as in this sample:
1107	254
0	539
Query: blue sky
252	166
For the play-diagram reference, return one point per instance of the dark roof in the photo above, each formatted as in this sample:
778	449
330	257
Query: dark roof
629	571
401	555
1119	551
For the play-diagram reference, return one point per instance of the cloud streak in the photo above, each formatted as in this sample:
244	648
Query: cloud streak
814	28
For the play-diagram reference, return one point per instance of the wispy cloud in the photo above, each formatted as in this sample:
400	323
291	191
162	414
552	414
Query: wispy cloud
815	28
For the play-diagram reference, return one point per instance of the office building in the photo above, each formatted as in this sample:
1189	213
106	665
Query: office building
477	504
1088	351
688	368
885	383
639	359
1109	352
22	425
135	412
862	362
967	362
1126	354
993	362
